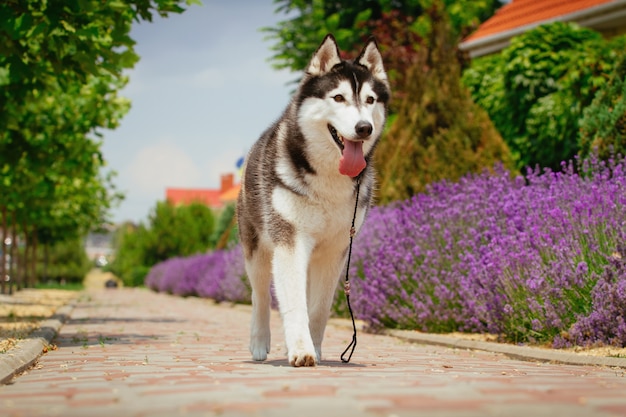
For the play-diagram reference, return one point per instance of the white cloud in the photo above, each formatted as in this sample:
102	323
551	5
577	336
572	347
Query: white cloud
162	165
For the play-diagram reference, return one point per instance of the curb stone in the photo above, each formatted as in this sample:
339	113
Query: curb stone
527	353
31	348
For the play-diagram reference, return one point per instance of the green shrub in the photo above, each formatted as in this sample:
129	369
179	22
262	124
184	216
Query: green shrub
136	276
130	243
536	90
66	262
172	231
603	126
225	233
178	231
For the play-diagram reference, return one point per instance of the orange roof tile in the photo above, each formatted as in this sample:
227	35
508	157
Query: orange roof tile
191	195
520	13
231	195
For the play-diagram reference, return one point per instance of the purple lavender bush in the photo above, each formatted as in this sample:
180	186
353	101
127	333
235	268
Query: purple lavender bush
538	258
219	275
606	323
226	279
164	275
520	257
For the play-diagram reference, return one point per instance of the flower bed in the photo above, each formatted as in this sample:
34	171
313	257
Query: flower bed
539	258
219	275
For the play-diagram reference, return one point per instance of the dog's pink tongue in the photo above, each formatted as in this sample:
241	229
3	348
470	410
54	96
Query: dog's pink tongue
352	161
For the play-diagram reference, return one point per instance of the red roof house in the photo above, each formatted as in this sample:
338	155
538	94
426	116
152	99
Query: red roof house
214	198
230	196
519	16
178	196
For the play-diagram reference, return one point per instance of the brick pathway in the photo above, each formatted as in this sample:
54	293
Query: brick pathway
131	352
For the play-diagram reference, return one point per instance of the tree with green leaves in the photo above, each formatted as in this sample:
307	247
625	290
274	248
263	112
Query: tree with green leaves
171	231
400	27
61	69
67	262
353	21
129	262
435	131
438	133
178	231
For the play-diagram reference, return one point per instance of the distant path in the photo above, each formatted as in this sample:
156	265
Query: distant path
96	278
132	352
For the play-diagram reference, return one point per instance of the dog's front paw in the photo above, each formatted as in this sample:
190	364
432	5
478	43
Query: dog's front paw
301	357
259	347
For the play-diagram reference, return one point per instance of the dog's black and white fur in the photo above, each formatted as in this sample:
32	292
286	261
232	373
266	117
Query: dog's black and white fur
297	197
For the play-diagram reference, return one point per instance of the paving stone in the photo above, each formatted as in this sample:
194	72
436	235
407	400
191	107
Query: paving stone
133	352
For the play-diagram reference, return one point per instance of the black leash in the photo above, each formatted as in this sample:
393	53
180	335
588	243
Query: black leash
346	285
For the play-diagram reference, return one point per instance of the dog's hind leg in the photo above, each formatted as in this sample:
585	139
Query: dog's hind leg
259	273
290	266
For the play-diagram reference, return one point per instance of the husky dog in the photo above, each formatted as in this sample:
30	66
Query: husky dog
298	191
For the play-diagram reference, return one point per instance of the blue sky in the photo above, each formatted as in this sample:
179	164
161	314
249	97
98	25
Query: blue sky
201	94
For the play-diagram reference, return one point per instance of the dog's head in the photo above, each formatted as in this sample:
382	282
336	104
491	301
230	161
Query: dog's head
345	102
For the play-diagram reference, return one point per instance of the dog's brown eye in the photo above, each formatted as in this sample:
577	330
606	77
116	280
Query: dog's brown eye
370	100
339	98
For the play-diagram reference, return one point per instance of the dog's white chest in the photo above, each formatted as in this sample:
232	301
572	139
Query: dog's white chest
324	219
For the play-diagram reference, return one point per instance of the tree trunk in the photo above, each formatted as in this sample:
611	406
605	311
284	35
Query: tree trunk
3	252
12	252
46	260
33	257
26	258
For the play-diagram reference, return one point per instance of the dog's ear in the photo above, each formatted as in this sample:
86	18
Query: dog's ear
371	59
326	57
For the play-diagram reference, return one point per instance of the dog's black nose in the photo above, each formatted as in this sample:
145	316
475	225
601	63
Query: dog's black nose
363	129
